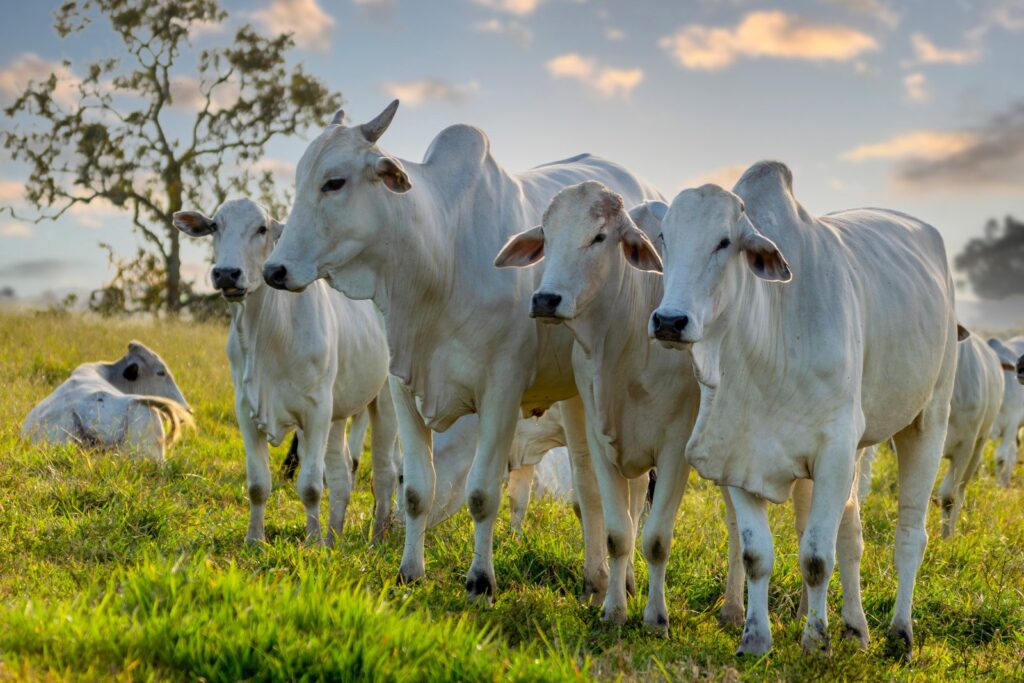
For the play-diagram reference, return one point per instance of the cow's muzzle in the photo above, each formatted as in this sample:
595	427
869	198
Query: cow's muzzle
670	327
545	305
275	275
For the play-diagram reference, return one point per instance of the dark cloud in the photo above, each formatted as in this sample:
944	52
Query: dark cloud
38	268
994	158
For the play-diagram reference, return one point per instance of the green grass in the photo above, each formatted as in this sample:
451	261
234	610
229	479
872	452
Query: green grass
112	568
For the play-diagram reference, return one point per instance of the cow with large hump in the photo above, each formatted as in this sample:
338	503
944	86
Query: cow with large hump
1011	412
418	239
641	401
306	361
122	405
810	337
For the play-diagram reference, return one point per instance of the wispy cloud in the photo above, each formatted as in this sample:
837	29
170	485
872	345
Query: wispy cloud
29	67
513	29
726	177
414	93
773	34
879	10
605	81
917	144
916	87
380	10
187	95
518	7
309	24
11	191
614	34
283	169
927	52
15	230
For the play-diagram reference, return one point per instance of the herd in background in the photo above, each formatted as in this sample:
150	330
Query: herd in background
729	331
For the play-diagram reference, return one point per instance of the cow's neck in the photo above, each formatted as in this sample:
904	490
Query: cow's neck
615	320
262	323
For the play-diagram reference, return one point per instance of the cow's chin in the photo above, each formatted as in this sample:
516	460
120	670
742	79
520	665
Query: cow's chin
549	319
234	294
676	344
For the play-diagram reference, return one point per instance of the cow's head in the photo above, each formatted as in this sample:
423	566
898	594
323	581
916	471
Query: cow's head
584	233
244	234
344	187
708	240
142	371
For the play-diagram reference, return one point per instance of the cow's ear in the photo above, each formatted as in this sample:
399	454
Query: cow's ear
392	174
637	249
194	223
522	250
763	257
131	372
1007	359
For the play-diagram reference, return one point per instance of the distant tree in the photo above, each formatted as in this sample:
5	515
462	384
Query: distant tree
117	142
994	263
8	292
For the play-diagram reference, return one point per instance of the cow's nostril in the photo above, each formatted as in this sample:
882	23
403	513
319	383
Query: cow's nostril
657	321
545	302
275	276
680	323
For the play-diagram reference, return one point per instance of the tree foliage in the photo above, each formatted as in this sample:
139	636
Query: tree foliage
994	262
161	125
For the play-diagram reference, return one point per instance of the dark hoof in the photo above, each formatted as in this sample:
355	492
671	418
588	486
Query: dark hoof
899	644
480	585
408	579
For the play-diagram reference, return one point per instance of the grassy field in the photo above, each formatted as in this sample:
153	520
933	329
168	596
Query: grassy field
116	569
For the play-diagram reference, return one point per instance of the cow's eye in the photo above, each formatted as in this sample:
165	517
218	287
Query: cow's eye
332	185
262	230
724	244
598	238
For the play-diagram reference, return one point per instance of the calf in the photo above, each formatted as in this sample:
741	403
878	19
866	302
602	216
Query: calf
858	347
120	405
306	361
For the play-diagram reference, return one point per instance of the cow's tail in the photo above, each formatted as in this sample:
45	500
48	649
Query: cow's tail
176	415
291	461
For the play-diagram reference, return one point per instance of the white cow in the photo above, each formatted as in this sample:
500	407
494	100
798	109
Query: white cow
977	397
418	239
120	405
1011	412
304	361
859	347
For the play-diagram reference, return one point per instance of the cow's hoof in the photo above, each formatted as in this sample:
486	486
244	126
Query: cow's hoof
731	615
656	621
754	644
815	639
480	587
613	615
409	574
899	644
255	540
857	634
594	592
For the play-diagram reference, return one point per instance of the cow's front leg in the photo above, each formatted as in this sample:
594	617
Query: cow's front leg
732	604
588	498
417	480
673	471
498	416
833	486
312	457
638	488
338	473
758	553
619	527
257	474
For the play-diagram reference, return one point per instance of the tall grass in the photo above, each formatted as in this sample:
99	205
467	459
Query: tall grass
115	568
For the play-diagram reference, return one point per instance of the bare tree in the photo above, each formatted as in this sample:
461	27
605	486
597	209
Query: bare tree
121	142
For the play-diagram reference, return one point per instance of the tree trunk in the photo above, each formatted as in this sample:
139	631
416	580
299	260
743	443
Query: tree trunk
173	264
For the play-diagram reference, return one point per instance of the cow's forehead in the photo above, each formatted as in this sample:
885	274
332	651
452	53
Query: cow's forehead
574	207
239	213
331	146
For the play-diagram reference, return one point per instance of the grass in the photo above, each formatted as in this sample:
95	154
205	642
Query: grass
111	568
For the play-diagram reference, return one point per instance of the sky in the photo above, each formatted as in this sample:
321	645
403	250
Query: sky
915	105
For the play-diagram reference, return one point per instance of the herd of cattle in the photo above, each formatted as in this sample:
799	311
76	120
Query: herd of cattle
728	331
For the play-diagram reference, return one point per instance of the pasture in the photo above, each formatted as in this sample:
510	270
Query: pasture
118	569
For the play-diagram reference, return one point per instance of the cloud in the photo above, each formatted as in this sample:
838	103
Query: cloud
414	93
38	268
15	230
605	81
917	144
95	214
518	7
514	30
926	52
614	35
308	23
30	67
916	87
877	9
765	34
992	156
726	177
11	191
186	95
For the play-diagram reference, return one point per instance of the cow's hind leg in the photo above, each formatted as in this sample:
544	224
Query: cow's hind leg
338	473
803	491
732	605
383	443
357	426
257	474
849	550
918	450
519	483
638	488
758	560
954	485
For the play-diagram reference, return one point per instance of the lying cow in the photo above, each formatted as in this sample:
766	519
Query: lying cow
858	347
305	361
121	405
1011	411
418	239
